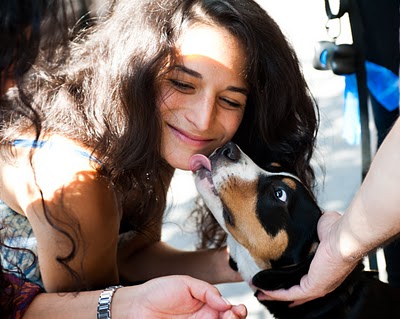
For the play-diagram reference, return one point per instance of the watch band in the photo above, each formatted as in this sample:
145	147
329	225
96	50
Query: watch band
104	304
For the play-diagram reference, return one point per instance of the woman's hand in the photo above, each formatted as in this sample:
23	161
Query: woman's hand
327	271
174	297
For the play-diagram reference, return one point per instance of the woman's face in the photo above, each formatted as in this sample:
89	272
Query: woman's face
204	96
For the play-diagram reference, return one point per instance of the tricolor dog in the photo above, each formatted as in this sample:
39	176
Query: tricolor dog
271	221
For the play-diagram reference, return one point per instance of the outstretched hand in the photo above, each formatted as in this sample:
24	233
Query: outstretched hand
183	297
327	271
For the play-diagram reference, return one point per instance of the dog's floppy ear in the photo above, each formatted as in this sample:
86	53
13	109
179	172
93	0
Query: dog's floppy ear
302	228
286	277
273	167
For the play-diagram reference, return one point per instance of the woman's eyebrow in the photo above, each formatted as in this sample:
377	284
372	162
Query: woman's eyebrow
196	74
191	72
238	89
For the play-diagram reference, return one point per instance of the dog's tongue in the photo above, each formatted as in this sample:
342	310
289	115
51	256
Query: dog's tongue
198	161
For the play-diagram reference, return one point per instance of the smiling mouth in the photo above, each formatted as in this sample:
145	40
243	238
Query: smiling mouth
201	166
189	138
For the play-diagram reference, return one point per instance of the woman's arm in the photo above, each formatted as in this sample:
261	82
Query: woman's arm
86	209
168	297
161	259
372	219
145	257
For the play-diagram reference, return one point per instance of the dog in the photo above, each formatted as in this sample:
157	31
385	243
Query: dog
271	219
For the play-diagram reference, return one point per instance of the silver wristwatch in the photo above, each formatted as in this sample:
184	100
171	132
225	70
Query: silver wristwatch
104	304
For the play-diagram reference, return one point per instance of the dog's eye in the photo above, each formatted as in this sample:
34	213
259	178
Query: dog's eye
281	194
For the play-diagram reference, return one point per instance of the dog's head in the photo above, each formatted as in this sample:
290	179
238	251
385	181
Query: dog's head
270	215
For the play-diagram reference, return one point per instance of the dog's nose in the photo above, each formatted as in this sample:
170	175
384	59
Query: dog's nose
231	151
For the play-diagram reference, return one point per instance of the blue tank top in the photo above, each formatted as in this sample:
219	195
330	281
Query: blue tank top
52	145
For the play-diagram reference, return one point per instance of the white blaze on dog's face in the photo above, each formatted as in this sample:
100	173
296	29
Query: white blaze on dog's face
230	190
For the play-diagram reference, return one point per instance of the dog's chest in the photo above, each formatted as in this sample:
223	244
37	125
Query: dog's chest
245	262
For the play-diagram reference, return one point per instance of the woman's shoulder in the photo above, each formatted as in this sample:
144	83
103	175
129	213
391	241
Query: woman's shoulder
47	164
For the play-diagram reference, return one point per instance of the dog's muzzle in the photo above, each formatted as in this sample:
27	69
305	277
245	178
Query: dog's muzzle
229	152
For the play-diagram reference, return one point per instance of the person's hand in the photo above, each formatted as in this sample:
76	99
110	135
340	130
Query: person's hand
327	271
177	297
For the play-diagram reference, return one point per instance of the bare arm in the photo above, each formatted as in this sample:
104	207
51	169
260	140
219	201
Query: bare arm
86	210
374	214
168	297
372	218
146	257
161	259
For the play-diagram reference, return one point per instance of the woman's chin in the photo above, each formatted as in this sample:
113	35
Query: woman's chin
178	162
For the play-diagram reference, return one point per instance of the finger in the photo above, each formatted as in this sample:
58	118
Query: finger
237	312
207	294
228	315
299	302
291	294
240	311
294	294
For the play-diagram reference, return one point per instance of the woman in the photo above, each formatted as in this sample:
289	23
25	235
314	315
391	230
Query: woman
147	88
22	25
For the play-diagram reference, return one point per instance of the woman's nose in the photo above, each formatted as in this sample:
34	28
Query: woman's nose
202	114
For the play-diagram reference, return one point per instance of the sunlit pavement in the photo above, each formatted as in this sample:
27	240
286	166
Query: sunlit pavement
303	22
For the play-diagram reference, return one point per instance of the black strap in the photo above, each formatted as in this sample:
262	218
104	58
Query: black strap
357	30
343	8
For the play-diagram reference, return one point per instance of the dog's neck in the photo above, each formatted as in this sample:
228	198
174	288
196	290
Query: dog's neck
283	277
289	268
241	260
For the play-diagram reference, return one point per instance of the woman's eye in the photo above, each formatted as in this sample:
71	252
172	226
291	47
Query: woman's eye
181	86
231	103
281	194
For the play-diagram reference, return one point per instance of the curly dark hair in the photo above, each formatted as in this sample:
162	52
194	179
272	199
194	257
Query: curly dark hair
22	39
